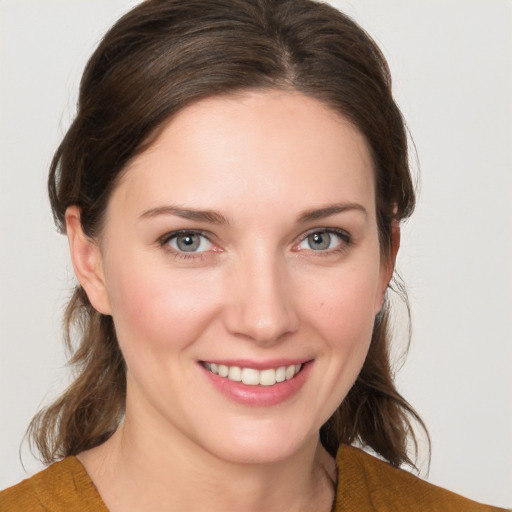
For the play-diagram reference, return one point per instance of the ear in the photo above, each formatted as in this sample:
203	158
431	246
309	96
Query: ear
87	261
395	244
388	264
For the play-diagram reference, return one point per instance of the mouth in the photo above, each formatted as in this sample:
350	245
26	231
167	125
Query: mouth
252	376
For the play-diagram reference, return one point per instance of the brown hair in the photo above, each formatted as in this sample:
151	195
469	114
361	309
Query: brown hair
157	59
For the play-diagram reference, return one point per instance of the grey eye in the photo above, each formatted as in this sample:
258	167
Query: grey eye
190	242
323	241
319	241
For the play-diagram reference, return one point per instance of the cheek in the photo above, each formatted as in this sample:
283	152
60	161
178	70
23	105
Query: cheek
344	301
339	314
158	310
342	312
349	325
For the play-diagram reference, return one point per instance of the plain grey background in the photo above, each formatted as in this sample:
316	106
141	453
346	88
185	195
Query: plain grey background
452	67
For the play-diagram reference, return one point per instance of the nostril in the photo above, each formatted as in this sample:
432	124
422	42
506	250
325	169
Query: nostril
261	305
262	329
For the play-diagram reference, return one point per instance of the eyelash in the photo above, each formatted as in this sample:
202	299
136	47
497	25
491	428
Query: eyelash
346	241
164	241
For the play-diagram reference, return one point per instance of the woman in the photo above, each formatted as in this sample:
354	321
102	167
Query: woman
231	189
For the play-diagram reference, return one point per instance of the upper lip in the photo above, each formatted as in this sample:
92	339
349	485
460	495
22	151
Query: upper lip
258	365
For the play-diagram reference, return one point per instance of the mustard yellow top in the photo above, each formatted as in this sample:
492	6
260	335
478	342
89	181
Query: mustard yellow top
365	484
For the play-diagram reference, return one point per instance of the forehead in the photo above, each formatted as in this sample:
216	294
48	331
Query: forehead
253	149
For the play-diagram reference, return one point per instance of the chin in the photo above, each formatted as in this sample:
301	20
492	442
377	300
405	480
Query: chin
262	443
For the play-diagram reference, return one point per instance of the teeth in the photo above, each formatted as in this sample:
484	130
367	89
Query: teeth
250	376
290	371
235	373
253	377
267	377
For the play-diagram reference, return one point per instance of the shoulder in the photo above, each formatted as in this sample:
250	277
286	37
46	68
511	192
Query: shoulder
63	486
370	484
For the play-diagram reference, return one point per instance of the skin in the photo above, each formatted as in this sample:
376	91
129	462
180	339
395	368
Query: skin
270	165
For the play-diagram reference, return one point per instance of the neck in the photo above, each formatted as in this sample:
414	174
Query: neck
137	471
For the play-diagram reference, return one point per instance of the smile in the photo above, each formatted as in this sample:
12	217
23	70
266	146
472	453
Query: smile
253	377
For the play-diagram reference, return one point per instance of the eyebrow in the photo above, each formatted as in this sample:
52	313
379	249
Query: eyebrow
209	216
213	217
328	210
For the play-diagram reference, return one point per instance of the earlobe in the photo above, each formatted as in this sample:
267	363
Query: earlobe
87	262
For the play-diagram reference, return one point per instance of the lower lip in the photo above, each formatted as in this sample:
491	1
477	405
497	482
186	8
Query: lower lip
259	396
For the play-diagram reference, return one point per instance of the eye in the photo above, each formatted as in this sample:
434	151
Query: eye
188	241
324	240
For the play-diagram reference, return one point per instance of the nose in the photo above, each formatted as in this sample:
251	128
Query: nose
261	304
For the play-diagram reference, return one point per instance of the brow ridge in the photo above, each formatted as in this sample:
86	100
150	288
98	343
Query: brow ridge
328	210
209	216
213	217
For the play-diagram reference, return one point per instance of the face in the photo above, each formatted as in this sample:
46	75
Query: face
240	262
